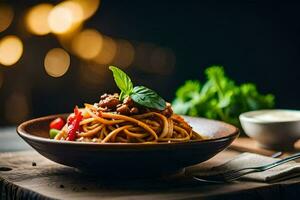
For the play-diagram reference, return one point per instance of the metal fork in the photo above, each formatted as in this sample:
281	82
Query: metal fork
236	174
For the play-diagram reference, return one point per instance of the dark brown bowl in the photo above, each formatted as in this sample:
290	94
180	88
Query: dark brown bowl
115	159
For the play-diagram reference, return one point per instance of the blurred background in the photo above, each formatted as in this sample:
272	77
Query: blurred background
55	54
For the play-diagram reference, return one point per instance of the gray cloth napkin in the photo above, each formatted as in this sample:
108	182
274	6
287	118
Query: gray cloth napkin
281	172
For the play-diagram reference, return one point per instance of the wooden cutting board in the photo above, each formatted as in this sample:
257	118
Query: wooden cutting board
32	176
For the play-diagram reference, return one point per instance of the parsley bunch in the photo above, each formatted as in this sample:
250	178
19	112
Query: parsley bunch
219	97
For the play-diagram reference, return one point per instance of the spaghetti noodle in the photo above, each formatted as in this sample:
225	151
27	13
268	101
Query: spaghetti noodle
113	121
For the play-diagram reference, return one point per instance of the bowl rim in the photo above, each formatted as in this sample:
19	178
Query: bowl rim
24	134
246	118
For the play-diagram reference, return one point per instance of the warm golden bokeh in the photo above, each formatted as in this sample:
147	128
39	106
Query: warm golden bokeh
37	19
68	15
60	19
125	54
89	7
11	50
6	16
108	51
16	108
75	9
66	39
87	44
57	62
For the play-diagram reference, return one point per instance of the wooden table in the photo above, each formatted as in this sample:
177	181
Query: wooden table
33	176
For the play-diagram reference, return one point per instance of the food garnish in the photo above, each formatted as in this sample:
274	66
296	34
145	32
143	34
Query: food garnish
139	94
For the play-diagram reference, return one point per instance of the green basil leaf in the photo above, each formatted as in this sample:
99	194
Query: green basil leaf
122	96
148	98
122	80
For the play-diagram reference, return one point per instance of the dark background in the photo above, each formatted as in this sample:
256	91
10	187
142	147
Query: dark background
255	42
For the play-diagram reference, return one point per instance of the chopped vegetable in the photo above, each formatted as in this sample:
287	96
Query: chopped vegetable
219	98
53	133
58	123
71	118
73	124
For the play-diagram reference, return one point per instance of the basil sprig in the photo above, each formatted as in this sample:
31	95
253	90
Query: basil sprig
148	98
122	80
139	94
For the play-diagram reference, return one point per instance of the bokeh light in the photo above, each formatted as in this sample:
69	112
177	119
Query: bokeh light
75	9
11	49
16	108
37	19
87	44
89	7
6	16
57	62
60	19
66	17
108	51
124	55
66	39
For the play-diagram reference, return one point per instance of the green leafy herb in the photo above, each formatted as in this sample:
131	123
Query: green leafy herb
148	98
219	98
122	80
139	94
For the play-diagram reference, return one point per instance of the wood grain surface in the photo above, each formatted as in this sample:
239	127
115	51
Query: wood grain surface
32	176
48	180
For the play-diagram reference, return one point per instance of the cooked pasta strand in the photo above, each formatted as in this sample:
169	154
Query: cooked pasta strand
151	127
91	132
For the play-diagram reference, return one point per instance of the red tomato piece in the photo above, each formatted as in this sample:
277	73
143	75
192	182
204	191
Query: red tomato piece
58	123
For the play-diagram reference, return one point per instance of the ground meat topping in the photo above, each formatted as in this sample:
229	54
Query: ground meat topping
134	111
128	101
111	103
123	109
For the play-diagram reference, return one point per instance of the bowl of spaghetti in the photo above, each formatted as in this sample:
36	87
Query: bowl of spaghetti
131	134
